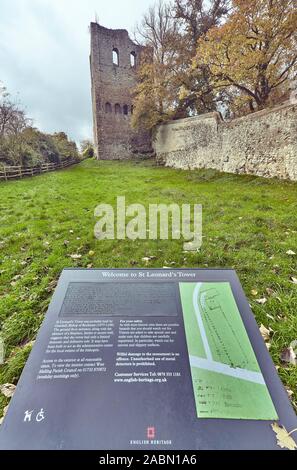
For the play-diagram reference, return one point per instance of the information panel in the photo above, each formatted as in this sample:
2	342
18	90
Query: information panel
147	359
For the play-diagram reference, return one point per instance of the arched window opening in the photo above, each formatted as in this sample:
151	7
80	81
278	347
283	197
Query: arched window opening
117	108
133	59
132	109
125	109
108	108
115	56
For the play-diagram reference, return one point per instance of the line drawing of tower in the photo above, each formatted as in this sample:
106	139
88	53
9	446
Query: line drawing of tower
114	59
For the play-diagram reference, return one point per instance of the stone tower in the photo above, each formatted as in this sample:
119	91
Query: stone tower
114	59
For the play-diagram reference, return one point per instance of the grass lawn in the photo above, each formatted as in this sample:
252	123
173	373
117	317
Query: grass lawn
249	224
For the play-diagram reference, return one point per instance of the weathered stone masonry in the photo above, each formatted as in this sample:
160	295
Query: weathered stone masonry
262	143
113	62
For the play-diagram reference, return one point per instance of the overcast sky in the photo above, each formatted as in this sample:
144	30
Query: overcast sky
44	56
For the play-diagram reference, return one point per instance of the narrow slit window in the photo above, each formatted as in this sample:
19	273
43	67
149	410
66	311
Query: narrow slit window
133	59
115	56
108	108
125	109
117	108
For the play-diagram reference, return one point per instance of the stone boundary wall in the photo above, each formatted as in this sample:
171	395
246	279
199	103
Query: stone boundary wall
263	143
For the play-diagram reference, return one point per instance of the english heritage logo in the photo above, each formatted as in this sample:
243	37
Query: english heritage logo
151	439
151	432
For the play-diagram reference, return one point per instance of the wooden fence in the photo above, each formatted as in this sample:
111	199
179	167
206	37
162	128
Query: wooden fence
15	172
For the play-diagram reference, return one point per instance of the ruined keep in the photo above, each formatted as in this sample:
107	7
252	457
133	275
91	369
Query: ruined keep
113	62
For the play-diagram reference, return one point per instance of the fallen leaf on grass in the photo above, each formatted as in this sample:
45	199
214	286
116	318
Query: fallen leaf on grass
7	390
51	286
4	413
75	256
265	332
261	301
254	292
281	317
284	439
276	269
269	291
270	316
148	258
289	392
91	253
288	355
290	252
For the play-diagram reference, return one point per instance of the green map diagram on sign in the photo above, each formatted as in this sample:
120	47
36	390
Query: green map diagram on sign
226	376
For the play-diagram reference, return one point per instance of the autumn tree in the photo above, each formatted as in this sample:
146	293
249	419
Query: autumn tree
87	148
168	85
253	54
155	94
12	117
195	18
13	121
22	144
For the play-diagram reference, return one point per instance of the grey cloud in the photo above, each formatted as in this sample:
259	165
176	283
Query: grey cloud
44	56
